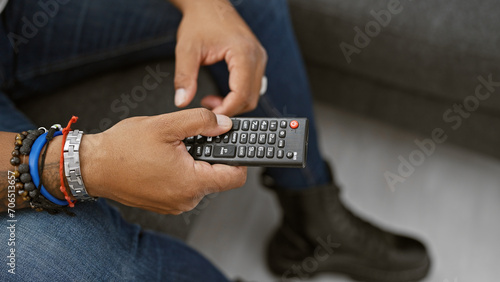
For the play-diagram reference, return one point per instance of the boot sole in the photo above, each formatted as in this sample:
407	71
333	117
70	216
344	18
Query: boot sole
342	264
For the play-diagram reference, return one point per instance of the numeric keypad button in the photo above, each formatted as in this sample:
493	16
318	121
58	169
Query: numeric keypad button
251	151
272	138
264	125
273	125
262	138
270	152
261	151
253	138
254	125
242	151
244	138
245	125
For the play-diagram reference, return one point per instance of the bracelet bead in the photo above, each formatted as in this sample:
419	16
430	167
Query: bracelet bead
19	185
30	186
16	174
15	153
28	142
25	178
25	150
15	161
33	193
24	168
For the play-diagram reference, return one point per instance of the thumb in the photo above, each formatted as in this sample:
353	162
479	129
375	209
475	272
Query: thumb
187	66
194	122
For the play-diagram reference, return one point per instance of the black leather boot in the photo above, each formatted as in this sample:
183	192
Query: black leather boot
319	234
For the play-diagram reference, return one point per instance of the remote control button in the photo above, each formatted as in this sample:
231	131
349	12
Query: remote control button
198	149
280	154
262	138
234	137
251	151
242	151
188	148
273	125
245	125
236	124
244	138
261	151
255	125
281	143
190	140
294	124
264	125
282	134
283	124
210	139
272	138
208	150
217	139
289	154
200	139
253	138
270	152
225	138
225	151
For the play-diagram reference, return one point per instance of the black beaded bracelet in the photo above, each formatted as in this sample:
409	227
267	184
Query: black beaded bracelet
23	143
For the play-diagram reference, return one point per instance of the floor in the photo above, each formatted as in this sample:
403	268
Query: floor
451	201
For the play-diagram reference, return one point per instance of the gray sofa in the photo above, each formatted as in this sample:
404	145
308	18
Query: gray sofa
408	72
415	67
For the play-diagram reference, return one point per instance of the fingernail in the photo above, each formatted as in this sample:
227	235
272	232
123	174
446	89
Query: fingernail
224	121
180	96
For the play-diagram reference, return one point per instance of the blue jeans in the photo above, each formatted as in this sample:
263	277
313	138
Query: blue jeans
76	39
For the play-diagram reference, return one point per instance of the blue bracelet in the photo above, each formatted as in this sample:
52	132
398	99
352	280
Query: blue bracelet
34	157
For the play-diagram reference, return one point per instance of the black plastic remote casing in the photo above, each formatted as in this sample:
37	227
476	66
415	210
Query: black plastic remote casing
266	142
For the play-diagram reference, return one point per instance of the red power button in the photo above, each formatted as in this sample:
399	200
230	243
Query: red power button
294	124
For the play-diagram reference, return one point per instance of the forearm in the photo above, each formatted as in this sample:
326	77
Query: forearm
50	177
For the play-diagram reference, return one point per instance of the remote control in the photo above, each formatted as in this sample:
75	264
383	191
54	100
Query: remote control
276	142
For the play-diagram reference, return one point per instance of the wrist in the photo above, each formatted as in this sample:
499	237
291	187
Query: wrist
50	178
91	156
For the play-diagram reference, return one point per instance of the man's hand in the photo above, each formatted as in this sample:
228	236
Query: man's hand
212	31
142	162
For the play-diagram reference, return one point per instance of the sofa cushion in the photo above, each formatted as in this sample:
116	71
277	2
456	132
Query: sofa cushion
426	48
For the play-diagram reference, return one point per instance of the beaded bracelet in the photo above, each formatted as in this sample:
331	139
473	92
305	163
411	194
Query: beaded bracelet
23	143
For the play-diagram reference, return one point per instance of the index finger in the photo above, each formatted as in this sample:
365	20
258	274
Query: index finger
245	77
